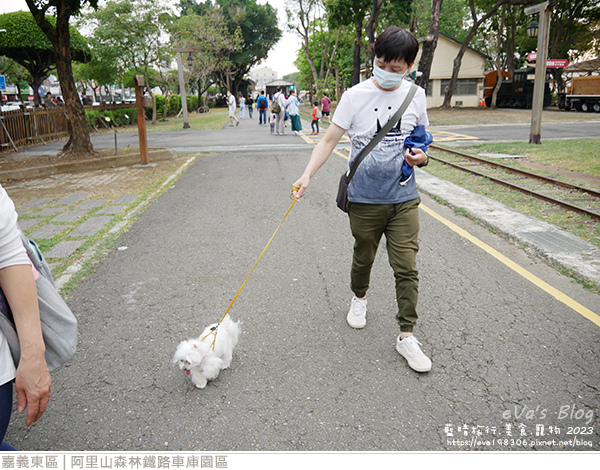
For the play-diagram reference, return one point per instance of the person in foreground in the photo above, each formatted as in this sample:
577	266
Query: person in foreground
32	379
381	199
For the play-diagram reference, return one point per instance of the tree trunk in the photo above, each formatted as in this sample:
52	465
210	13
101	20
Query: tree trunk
79	142
430	46
35	86
465	45
356	57
499	59
370	29
509	45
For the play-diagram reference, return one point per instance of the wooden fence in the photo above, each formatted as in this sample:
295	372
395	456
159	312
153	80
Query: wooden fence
31	126
22	127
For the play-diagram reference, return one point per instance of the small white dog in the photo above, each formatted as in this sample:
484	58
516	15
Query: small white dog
198	358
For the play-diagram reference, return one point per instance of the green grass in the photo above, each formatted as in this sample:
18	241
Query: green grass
581	225
580	155
215	120
578	224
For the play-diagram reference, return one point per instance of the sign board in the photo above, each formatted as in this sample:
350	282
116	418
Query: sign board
550	63
2	83
557	63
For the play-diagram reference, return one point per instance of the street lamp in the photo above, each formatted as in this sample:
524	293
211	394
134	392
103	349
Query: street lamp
532	29
542	31
186	124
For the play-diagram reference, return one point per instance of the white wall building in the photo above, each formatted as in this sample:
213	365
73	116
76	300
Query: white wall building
469	87
471	76
262	76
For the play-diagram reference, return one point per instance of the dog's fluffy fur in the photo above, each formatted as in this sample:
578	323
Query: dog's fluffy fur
197	358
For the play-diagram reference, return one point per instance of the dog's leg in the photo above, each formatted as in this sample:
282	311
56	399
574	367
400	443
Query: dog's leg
198	378
227	357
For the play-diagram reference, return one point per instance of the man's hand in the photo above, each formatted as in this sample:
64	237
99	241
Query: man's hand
415	156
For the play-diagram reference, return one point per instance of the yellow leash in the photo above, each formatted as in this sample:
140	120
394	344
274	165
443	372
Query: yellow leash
215	328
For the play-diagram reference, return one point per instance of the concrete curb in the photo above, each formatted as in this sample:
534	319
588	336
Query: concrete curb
86	165
545	240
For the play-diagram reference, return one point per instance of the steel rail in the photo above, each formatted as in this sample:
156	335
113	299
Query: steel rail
535	194
593	192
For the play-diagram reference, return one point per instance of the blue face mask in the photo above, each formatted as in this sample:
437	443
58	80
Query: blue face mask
387	79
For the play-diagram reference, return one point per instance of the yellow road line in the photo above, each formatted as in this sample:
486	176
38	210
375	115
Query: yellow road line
558	295
444	136
337	152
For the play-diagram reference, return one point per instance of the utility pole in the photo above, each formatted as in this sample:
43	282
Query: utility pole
186	124
141	118
543	35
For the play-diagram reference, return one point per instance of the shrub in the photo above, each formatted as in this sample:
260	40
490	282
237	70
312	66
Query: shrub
119	117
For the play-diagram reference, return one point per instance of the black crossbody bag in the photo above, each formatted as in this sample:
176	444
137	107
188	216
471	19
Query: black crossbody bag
342	195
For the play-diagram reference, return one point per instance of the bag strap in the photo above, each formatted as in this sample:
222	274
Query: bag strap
383	131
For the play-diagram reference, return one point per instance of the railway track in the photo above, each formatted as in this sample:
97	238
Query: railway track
565	195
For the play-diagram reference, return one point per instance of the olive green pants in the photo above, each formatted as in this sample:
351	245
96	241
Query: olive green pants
400	224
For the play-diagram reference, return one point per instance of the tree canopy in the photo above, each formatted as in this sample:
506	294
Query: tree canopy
255	24
26	44
59	34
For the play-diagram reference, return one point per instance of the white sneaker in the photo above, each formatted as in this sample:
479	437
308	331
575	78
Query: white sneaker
410	350
357	315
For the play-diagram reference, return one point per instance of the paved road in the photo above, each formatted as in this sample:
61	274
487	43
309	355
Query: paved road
467	133
514	364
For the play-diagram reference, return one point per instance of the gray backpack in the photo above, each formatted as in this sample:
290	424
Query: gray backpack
59	325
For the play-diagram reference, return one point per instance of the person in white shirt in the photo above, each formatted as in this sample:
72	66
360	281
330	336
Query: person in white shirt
380	199
32	379
280	122
242	107
232	106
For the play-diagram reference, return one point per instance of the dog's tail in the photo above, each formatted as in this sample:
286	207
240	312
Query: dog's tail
233	328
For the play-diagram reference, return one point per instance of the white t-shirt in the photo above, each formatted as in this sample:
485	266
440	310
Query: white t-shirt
12	253
362	111
282	101
231	102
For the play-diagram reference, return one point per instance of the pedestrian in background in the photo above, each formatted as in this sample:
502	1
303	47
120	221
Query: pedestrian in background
273	121
232	106
50	101
294	112
326	107
262	104
249	102
282	102
242	107
315	118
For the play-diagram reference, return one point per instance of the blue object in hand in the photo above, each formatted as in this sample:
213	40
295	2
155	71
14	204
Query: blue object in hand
418	138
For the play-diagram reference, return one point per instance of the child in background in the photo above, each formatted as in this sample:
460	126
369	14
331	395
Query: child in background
315	118
272	120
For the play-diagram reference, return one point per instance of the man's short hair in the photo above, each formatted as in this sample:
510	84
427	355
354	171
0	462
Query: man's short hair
396	43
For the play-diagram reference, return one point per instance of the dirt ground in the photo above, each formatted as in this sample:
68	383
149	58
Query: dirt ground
107	183
12	161
448	117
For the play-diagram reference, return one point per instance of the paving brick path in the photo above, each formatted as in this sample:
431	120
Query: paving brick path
76	217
